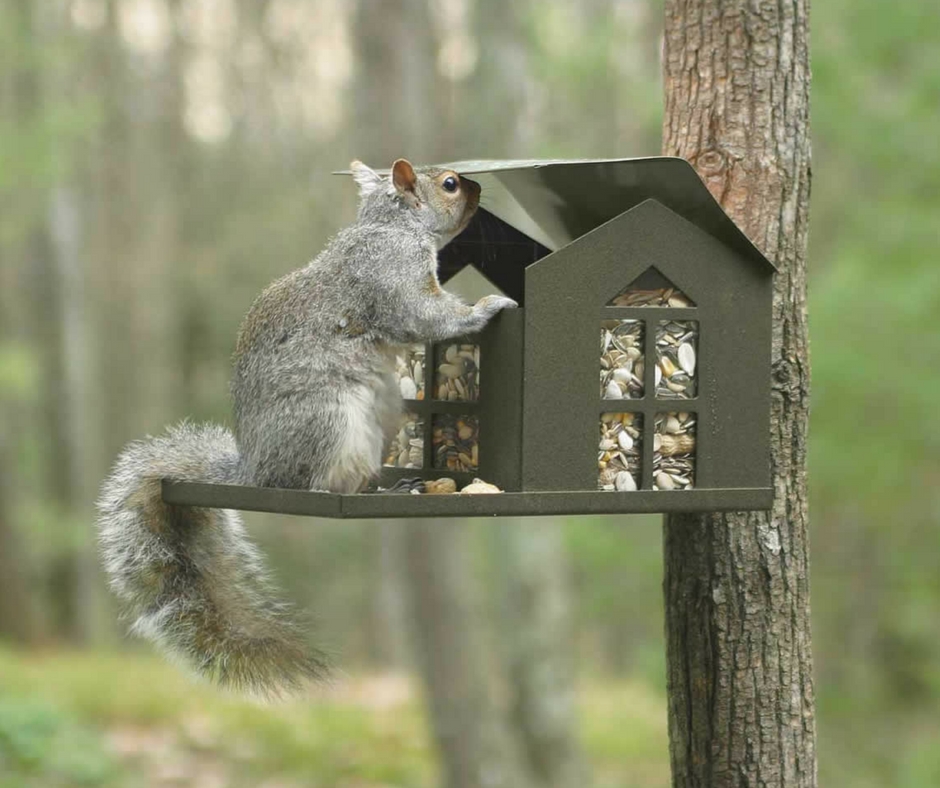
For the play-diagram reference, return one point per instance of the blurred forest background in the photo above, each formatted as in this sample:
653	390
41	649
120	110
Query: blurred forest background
162	160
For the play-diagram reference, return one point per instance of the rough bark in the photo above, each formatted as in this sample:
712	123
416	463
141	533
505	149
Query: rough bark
741	699
476	749
536	639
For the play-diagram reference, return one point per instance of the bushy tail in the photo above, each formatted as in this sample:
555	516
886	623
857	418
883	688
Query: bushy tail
192	580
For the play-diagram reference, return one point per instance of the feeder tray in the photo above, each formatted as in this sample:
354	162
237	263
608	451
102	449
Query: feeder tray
507	504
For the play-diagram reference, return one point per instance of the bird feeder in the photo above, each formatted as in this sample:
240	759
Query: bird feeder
633	377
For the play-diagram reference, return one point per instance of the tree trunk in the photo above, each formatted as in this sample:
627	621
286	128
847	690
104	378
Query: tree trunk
20	250
397	95
77	406
476	749
394	117
157	161
61	323
107	178
390	641
19	621
536	639
739	662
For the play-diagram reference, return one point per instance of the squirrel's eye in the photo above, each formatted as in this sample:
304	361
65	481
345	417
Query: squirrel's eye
450	184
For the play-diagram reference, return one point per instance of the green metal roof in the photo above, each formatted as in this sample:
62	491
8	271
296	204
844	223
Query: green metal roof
555	201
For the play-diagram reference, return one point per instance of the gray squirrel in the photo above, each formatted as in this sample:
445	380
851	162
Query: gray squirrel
315	400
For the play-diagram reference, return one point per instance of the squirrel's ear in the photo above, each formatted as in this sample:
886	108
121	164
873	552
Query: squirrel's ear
404	179
367	178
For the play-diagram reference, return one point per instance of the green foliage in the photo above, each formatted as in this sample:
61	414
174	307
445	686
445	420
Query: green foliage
19	372
877	287
85	718
624	729
595	68
875	426
922	765
156	719
614	562
42	746
44	120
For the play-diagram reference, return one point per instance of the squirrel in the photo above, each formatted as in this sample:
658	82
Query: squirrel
315	399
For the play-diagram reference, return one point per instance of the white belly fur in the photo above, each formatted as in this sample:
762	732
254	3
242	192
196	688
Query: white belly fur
358	457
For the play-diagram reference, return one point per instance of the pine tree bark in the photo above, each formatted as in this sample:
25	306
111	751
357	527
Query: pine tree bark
739	662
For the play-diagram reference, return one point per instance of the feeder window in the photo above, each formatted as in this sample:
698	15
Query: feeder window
409	369
651	288
629	334
674	451
457	372
619	452
622	359
440	426
406	449
455	443
676	343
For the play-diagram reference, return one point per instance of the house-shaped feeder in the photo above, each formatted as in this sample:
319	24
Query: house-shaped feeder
634	377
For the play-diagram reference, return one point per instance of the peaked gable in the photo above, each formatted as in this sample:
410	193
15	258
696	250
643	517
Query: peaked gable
592	270
651	289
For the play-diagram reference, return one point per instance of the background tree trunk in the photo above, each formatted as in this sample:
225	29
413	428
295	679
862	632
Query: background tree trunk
395	117
536	640
19	91
424	569
156	166
80	438
19	621
61	323
475	744
741	698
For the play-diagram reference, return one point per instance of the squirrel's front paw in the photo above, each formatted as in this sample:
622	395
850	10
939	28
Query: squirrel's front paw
492	304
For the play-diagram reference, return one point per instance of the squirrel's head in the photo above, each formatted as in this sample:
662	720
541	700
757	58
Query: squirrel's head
440	200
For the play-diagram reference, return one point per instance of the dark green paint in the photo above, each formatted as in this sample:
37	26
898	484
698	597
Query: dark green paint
379	505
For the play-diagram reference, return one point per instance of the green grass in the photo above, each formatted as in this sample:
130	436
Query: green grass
146	717
122	720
